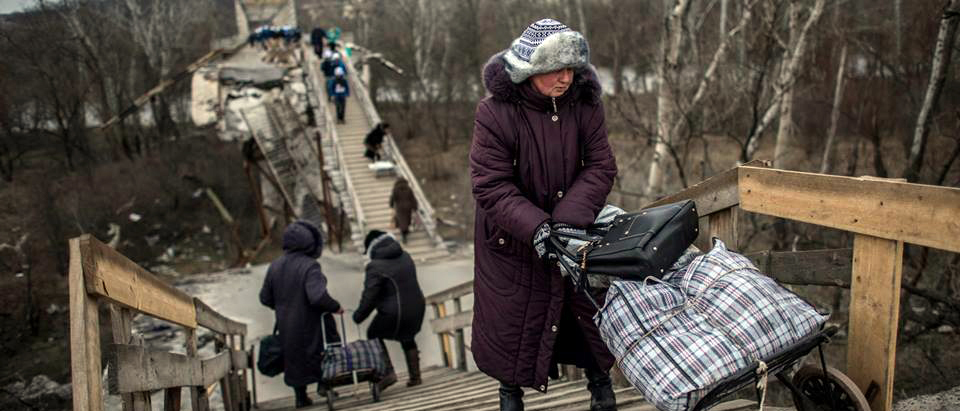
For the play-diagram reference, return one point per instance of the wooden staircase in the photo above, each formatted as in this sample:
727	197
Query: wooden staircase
446	389
373	192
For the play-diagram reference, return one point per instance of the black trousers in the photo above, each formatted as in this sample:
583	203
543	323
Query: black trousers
341	103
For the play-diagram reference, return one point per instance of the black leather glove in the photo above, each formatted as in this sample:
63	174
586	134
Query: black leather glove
540	238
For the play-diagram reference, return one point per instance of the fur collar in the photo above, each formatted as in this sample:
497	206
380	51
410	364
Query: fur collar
497	82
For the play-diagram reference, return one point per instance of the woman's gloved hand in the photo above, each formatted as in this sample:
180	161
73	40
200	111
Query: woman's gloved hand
540	238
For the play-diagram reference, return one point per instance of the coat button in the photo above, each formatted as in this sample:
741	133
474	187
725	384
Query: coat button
501	241
560	194
553	328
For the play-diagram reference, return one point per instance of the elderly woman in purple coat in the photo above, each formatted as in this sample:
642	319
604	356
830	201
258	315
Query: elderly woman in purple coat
540	156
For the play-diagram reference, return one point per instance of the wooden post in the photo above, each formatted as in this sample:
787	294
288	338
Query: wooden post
171	399
245	397
440	311
257	199
121	320
874	312
198	394
225	391
253	377
84	338
723	225
461	345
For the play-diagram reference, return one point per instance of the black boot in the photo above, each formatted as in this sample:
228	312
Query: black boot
413	367
511	398
302	400
602	397
389	375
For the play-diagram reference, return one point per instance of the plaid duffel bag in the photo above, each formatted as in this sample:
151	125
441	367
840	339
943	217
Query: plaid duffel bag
675	339
363	355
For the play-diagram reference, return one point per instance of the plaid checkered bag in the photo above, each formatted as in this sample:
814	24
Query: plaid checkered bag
677	338
361	355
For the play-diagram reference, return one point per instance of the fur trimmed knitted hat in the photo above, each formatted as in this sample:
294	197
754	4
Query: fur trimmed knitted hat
546	45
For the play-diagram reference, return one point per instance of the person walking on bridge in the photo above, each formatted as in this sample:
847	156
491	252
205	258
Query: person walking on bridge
404	204
341	90
539	156
391	287
296	289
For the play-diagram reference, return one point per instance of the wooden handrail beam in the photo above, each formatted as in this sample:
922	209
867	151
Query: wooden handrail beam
451	293
913	213
209	318
713	194
452	323
113	277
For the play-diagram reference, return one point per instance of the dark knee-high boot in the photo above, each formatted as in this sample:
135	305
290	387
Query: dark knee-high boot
413	366
389	375
302	400
511	398
602	397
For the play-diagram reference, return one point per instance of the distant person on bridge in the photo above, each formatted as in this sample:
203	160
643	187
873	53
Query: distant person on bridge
374	140
539	156
329	68
404	204
317	38
391	287
341	90
296	289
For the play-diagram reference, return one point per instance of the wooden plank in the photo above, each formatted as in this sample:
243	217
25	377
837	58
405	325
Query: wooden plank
439	311
110	275
84	338
817	267
137	368
723	225
214	368
460	344
713	194
874	315
451	293
210	318
913	213
449	324
703	241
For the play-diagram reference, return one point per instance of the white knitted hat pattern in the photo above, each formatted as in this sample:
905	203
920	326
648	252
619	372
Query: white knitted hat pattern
546	45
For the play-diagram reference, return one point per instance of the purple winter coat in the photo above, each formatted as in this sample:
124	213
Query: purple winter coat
527	169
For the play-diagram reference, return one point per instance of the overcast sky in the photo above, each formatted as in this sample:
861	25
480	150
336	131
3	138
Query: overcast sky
10	6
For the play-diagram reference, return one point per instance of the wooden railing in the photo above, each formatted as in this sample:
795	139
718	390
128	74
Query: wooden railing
882	214
452	326
100	275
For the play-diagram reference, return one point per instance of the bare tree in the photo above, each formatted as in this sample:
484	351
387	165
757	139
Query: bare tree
942	54
834	112
789	68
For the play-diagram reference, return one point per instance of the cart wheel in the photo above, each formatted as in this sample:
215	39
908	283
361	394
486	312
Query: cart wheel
375	391
330	397
830	391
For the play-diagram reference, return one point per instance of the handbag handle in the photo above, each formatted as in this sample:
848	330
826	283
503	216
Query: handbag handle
581	281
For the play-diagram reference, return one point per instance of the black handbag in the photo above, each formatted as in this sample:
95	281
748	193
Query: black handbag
642	244
270	356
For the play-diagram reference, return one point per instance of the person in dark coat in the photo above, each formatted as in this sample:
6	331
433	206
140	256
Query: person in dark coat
374	140
296	289
341	90
404	204
391	287
539	156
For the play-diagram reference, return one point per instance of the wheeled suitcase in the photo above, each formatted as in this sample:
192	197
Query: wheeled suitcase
350	364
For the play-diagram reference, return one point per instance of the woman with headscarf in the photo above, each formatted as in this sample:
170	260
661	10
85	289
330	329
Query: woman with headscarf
539	156
296	289
404	204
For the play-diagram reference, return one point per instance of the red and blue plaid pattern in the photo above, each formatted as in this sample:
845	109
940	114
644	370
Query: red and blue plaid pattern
362	355
676	339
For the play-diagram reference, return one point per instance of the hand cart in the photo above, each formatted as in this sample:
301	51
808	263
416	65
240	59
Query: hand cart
813	387
354	376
